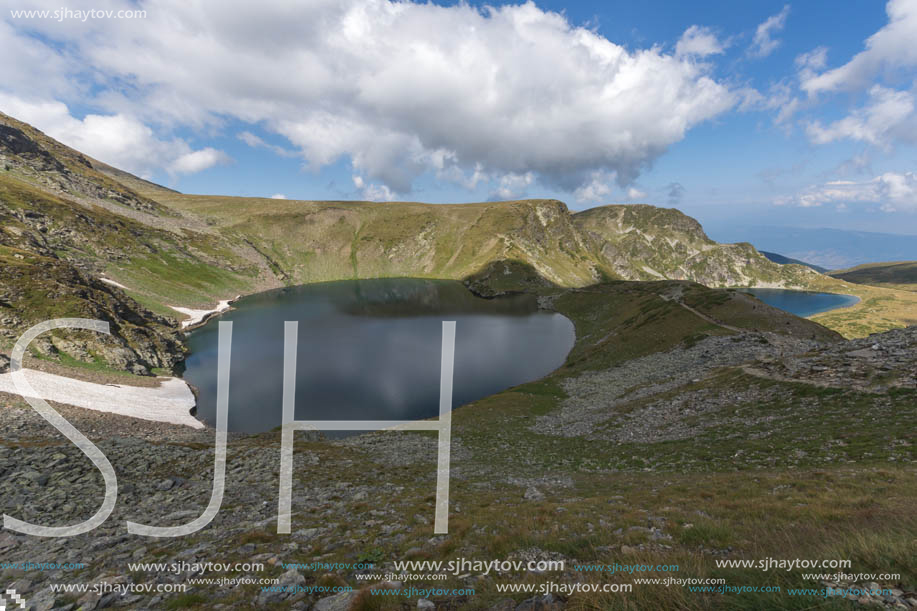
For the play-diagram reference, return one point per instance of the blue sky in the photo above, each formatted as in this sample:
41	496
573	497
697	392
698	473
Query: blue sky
797	114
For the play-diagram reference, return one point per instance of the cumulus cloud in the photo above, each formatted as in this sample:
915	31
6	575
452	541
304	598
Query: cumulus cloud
513	186
892	47
891	192
699	41
372	192
634	193
118	139
278	196
887	117
400	88
598	188
197	161
764	43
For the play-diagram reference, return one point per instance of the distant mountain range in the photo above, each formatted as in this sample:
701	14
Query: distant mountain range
827	248
778	258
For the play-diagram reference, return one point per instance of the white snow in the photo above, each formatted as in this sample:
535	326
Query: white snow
113	283
196	316
170	402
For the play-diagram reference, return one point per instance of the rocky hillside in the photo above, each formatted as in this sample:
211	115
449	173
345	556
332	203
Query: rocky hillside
701	429
640	242
85	238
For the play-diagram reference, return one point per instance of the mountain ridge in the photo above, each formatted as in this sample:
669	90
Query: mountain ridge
78	217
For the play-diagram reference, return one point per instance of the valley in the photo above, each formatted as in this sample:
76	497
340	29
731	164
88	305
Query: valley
688	424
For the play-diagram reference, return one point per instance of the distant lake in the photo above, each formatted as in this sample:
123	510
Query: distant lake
370	350
802	303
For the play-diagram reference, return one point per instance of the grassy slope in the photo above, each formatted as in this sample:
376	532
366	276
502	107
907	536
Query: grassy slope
157	265
313	241
61	169
900	275
809	473
206	248
818	483
879	308
779	490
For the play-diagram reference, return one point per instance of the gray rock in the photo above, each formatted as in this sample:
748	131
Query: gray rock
4	363
541	603
423	603
44	347
533	494
73	349
338	602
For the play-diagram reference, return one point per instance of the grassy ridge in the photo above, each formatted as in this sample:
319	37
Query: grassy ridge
900	275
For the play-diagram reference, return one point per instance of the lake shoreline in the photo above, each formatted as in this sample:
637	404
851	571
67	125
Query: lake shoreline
358	331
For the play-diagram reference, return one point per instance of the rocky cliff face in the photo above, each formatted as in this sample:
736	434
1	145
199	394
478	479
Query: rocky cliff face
640	242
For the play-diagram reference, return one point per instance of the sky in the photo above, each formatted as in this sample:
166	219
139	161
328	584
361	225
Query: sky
738	113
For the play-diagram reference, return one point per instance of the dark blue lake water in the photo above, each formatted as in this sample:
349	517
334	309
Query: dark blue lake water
370	350
802	303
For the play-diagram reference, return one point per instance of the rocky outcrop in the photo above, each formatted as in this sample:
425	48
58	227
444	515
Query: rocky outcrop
875	364
29	154
640	242
37	288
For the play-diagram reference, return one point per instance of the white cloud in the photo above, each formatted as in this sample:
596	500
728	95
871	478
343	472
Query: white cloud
633	194
197	161
372	192
513	186
699	41
398	87
278	196
887	118
779	97
892	47
763	43
891	192
600	187
118	139
257	142
809	63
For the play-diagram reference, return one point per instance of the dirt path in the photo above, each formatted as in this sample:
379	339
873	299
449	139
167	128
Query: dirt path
702	316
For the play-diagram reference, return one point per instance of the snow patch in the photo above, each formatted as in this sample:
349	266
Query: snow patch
196	316
170	402
113	283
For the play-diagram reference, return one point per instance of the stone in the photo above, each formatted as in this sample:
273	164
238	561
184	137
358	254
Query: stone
423	603
540	603
338	602
533	494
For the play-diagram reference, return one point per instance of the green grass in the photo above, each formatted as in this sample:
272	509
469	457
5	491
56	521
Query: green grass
186	601
901	275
